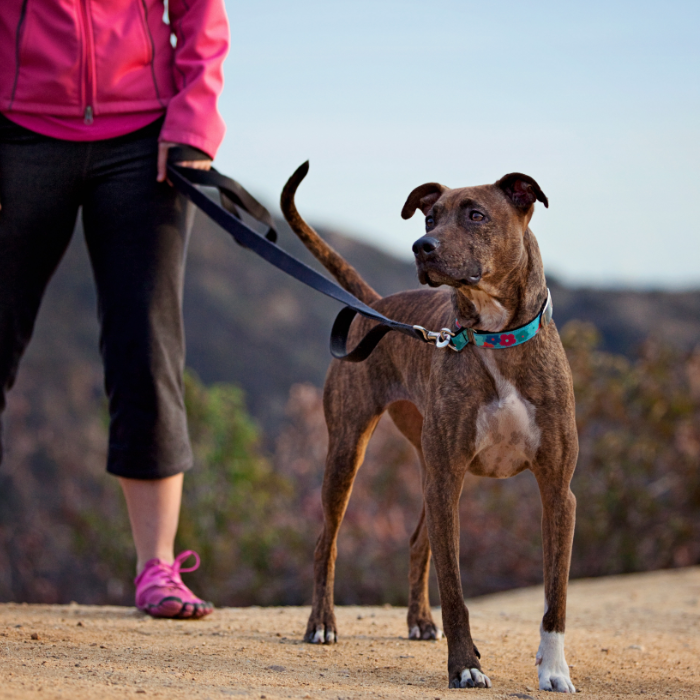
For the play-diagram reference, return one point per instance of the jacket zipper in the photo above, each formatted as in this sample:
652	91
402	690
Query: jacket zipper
88	114
153	50
18	37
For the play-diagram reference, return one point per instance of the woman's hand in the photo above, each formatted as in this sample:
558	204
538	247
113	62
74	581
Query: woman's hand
163	148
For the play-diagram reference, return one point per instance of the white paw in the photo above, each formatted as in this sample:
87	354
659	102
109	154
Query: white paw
414	632
318	637
552	669
330	637
471	678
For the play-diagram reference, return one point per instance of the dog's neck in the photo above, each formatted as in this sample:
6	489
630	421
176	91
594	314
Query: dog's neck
512	303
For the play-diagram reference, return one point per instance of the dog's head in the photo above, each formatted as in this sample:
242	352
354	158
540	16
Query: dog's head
475	242
473	235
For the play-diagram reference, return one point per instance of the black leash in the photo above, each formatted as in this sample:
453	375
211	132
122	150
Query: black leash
235	198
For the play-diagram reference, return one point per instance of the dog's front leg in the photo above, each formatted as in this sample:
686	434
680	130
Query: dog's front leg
442	490
558	518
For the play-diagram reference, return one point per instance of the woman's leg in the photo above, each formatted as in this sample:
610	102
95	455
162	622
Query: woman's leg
136	231
154	510
39	194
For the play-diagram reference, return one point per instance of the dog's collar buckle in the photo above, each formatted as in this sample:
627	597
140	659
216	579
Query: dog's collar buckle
441	338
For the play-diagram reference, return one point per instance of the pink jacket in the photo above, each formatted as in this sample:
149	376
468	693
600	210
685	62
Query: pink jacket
92	57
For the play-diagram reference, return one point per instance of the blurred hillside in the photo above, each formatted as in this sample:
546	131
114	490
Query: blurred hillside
251	325
252	506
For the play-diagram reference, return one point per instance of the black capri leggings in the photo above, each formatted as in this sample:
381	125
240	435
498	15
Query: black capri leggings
136	232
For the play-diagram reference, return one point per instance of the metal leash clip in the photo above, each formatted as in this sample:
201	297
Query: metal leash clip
441	338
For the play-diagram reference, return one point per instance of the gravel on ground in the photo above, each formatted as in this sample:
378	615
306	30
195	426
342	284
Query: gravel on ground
628	636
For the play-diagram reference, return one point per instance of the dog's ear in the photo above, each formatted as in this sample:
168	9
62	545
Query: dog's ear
422	198
522	190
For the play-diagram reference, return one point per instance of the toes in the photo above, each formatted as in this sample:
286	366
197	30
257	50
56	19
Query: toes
174	608
202	609
473	678
167	607
562	685
557	684
322	636
186	611
429	633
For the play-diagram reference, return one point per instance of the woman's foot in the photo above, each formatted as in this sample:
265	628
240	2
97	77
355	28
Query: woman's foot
160	591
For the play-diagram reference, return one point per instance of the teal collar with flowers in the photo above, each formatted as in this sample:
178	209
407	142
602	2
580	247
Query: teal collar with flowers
505	339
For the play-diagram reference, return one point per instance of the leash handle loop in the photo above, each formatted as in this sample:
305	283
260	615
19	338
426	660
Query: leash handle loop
234	196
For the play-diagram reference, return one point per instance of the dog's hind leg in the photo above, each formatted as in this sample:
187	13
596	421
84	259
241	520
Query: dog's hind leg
421	625
420	620
409	421
558	517
351	424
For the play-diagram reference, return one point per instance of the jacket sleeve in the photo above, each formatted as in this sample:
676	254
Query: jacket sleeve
202	32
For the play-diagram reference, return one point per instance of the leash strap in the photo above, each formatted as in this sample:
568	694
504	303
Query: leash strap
184	179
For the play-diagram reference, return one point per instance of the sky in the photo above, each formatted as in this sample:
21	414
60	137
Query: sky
598	101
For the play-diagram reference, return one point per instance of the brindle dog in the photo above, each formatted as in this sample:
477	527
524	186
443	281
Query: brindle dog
492	412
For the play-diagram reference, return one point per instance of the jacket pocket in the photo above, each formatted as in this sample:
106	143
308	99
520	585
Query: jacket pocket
123	53
48	55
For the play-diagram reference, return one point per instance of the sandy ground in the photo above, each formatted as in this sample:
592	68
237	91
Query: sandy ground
627	636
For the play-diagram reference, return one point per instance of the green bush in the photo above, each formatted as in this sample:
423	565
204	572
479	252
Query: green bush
231	498
638	474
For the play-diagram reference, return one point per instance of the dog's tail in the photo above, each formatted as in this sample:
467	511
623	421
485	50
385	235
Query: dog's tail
346	274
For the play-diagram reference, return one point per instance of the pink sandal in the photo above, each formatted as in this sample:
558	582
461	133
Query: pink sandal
160	591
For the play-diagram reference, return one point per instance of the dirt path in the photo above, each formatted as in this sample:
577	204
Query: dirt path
628	636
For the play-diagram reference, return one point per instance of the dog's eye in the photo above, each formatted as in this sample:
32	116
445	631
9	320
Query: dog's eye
429	222
476	216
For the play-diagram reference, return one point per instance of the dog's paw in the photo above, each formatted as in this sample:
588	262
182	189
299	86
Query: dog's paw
425	631
552	669
471	678
321	635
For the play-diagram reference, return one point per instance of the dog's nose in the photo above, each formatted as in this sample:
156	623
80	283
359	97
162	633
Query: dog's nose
425	246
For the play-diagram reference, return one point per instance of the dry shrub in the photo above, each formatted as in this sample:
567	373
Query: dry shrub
255	513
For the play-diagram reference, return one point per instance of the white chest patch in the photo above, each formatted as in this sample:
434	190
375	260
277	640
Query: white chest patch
507	436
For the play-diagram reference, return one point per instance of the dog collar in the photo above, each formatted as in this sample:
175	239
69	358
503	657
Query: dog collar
506	339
